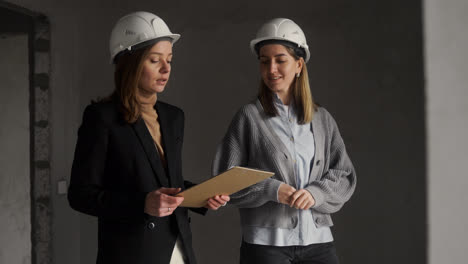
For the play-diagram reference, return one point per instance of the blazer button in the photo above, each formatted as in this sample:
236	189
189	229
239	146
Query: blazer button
151	225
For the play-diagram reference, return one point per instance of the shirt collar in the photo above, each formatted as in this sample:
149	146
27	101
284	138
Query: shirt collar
286	111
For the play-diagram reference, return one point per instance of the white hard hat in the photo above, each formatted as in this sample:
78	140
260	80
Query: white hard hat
282	29
137	28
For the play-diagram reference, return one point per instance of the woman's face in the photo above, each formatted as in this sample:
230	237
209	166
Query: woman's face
278	68
156	68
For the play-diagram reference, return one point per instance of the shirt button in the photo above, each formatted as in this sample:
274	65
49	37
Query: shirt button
292	139
290	120
151	225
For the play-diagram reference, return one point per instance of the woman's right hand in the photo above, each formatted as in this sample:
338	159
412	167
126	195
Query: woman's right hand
285	192
161	202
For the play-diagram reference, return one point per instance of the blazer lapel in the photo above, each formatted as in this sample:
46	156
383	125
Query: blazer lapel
151	152
168	132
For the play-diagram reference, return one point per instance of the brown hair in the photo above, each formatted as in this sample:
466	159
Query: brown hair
303	102
127	74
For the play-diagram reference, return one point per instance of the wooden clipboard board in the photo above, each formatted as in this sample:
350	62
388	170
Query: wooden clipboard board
226	183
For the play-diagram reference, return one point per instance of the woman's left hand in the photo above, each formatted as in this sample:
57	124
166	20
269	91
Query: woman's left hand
217	201
302	199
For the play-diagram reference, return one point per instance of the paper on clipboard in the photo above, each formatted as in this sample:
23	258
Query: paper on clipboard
226	183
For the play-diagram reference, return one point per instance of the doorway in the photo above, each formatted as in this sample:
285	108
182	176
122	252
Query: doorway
25	189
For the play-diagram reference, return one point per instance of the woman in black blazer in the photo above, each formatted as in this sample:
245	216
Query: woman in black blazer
127	164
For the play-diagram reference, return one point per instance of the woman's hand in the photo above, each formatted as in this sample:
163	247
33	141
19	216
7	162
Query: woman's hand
161	202
284	193
217	201
302	199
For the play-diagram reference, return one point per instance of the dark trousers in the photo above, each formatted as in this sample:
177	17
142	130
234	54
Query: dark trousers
324	253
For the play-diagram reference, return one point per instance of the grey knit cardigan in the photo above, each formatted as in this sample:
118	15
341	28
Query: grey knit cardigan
251	142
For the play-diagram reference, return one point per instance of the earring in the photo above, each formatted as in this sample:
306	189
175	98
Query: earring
298	74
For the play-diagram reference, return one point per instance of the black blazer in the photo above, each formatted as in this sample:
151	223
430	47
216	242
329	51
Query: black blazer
116	164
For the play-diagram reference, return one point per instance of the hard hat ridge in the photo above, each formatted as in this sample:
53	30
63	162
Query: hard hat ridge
137	30
282	29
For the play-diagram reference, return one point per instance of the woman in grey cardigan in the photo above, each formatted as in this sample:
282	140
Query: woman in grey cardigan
286	218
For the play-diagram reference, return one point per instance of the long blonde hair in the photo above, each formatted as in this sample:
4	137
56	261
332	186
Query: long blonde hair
304	104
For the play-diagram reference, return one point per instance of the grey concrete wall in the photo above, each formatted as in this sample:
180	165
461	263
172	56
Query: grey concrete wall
366	69
446	39
15	202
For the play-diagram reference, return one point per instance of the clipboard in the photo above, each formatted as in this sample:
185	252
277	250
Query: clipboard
226	183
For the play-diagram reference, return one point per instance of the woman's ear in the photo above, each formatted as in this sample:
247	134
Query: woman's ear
299	64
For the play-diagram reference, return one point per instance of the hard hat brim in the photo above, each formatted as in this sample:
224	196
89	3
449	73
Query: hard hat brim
258	40
174	38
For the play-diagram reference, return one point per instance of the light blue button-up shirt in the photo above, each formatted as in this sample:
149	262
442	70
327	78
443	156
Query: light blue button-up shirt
299	141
